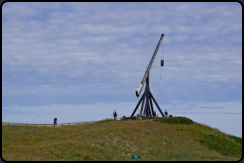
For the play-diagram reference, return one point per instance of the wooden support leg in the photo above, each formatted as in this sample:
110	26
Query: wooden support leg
150	101
157	104
150	98
149	109
144	111
142	103
137	105
147	106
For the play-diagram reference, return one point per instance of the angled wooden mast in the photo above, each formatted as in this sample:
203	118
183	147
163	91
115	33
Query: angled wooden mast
147	97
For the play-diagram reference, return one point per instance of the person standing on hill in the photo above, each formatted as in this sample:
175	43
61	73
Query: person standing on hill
166	113
115	114
55	121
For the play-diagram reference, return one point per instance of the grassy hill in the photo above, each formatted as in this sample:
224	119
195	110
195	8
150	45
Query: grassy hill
178	139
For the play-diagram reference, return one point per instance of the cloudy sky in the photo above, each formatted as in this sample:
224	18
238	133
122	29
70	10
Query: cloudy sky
80	61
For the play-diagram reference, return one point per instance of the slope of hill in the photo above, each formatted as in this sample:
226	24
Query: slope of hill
118	140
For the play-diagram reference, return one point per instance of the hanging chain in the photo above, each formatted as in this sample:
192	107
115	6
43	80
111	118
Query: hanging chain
161	71
159	82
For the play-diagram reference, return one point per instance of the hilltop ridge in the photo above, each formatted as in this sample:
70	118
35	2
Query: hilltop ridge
118	140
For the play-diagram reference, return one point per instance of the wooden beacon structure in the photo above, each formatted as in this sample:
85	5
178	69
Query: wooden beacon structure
147	109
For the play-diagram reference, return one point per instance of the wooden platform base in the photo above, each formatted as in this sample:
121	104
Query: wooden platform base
135	118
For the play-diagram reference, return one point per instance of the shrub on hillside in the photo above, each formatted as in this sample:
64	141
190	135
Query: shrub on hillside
236	139
222	145
176	120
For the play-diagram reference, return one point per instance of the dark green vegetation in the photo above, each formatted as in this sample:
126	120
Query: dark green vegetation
176	120
179	129
117	140
236	139
222	145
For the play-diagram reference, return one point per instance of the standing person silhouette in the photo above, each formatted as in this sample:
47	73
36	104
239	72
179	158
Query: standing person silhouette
115	114
55	121
166	113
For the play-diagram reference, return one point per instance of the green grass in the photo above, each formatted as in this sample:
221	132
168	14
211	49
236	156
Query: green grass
105	120
115	141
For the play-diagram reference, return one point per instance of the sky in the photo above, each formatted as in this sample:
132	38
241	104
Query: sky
80	61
